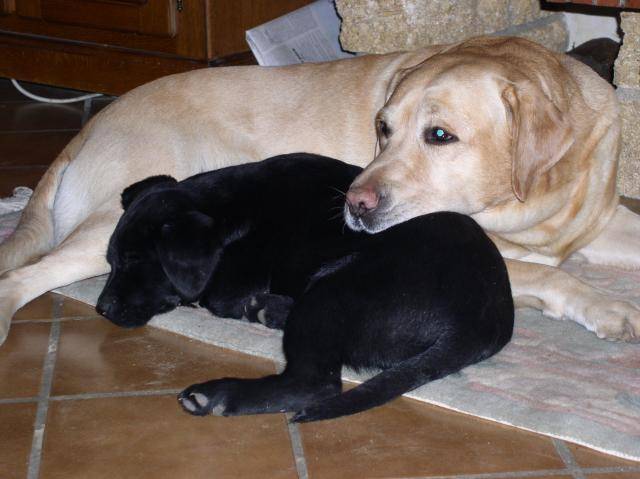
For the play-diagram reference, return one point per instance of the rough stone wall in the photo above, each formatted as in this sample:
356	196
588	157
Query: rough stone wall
627	79
380	26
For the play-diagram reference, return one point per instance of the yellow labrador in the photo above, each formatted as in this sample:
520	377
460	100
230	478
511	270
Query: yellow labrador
524	140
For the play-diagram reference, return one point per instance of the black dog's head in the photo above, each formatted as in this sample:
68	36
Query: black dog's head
162	253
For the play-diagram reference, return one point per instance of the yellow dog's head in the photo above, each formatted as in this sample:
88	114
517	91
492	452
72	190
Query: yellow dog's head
466	130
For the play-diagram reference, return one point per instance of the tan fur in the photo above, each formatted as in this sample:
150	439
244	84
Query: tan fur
36	222
535	164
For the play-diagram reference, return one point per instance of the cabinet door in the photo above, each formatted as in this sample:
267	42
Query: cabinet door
7	6
144	25
151	17
147	17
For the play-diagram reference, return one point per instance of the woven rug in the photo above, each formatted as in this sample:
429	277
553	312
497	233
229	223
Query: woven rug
554	378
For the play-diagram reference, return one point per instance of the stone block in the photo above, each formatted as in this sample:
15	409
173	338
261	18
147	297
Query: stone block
627	67
492	15
383	26
380	26
629	169
627	78
523	11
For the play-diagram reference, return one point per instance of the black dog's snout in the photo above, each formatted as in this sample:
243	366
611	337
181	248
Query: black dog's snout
105	306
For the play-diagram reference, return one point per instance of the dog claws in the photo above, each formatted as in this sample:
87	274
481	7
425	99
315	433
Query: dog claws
203	400
616	320
199	398
194	403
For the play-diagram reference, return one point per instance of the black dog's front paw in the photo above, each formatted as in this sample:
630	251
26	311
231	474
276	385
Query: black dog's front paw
270	310
207	398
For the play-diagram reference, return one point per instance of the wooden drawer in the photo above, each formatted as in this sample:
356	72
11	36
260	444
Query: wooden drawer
144	17
147	25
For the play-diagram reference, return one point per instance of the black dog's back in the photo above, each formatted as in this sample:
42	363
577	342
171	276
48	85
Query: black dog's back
295	191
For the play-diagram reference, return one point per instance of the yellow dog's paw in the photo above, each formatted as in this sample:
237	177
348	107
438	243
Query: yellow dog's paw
614	320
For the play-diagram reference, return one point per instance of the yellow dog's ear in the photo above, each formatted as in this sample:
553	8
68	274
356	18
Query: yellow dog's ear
421	60
540	133
397	77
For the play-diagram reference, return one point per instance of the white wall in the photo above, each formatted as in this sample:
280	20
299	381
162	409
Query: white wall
585	27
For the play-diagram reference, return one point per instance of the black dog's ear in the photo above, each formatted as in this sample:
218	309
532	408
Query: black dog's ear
131	192
189	250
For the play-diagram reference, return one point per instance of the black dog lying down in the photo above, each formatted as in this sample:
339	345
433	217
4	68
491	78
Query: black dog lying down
266	240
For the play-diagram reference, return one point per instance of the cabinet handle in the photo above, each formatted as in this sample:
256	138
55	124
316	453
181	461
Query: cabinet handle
180	5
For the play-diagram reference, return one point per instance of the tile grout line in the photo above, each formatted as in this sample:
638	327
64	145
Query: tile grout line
525	474
496	475
567	457
611	469
296	447
101	395
63	318
35	456
116	394
18	400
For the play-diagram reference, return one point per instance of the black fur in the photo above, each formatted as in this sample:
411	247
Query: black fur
266	241
600	54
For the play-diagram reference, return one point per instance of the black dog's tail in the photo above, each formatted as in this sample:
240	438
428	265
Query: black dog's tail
434	363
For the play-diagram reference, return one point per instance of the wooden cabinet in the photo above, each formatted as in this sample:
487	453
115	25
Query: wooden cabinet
112	46
134	16
6	7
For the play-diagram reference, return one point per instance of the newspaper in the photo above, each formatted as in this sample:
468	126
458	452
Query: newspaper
309	34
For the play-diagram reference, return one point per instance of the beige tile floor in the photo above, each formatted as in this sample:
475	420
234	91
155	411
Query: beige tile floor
81	398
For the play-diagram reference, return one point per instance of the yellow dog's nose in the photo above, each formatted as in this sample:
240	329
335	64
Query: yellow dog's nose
362	199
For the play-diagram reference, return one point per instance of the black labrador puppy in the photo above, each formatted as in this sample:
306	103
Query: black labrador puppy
266	241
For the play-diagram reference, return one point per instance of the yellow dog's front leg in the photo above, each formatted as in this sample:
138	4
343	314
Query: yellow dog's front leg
561	296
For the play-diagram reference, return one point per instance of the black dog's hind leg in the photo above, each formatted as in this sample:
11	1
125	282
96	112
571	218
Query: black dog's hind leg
270	394
449	354
311	347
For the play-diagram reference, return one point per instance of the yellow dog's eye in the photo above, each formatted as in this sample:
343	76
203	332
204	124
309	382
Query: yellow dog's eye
383	128
438	136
